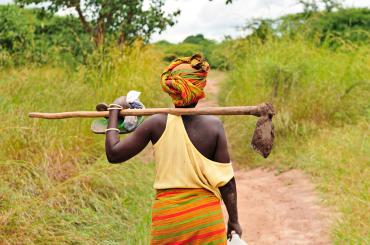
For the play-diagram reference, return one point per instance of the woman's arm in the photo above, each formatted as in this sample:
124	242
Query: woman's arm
228	191
117	150
229	196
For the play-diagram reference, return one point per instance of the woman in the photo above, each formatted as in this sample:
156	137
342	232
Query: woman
193	168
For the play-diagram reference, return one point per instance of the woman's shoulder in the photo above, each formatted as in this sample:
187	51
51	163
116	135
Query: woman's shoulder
211	121
158	118
156	124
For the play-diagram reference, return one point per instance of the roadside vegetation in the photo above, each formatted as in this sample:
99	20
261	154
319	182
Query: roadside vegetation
320	89
56	185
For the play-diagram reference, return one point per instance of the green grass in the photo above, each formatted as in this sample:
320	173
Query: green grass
103	204
55	185
322	120
338	159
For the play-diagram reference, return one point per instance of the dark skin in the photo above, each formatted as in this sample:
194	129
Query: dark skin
205	132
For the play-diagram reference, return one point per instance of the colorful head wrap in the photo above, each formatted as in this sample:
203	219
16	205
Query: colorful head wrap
185	86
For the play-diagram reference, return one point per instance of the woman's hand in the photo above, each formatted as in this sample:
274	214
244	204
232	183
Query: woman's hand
122	102
233	227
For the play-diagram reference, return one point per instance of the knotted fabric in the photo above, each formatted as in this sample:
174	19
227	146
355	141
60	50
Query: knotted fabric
185	86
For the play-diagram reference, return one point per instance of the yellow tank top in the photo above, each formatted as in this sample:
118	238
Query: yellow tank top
180	165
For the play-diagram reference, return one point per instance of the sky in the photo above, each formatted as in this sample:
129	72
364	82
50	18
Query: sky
216	20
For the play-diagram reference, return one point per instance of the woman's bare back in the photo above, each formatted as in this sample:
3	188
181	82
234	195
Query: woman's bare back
205	132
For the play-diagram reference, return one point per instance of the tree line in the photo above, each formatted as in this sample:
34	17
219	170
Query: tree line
35	34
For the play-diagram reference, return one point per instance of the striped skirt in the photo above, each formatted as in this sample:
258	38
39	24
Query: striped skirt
187	216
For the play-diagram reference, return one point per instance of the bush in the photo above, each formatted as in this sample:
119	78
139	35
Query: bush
333	29
310	86
214	52
16	29
37	36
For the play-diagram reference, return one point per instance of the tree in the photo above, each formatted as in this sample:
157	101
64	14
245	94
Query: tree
124	19
331	5
16	29
36	35
335	28
261	29
227	1
310	6
198	39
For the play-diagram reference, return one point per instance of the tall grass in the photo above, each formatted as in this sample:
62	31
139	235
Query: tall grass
338	160
311	87
322	121
56	186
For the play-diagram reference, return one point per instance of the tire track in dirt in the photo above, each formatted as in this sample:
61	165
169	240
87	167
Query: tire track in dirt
276	209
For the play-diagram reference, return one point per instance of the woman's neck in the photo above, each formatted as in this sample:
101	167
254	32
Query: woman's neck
187	106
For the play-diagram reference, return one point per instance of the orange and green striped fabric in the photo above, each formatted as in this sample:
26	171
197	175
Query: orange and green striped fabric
186	86
187	216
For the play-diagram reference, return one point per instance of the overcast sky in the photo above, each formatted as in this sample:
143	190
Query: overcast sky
215	19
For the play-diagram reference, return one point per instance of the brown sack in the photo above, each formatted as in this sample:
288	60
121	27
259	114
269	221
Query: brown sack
264	134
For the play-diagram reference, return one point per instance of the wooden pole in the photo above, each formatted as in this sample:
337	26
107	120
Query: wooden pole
259	110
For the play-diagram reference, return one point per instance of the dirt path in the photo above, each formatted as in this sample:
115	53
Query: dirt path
276	209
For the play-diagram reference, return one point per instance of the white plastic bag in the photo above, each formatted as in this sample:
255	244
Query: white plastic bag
132	96
131	122
236	240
